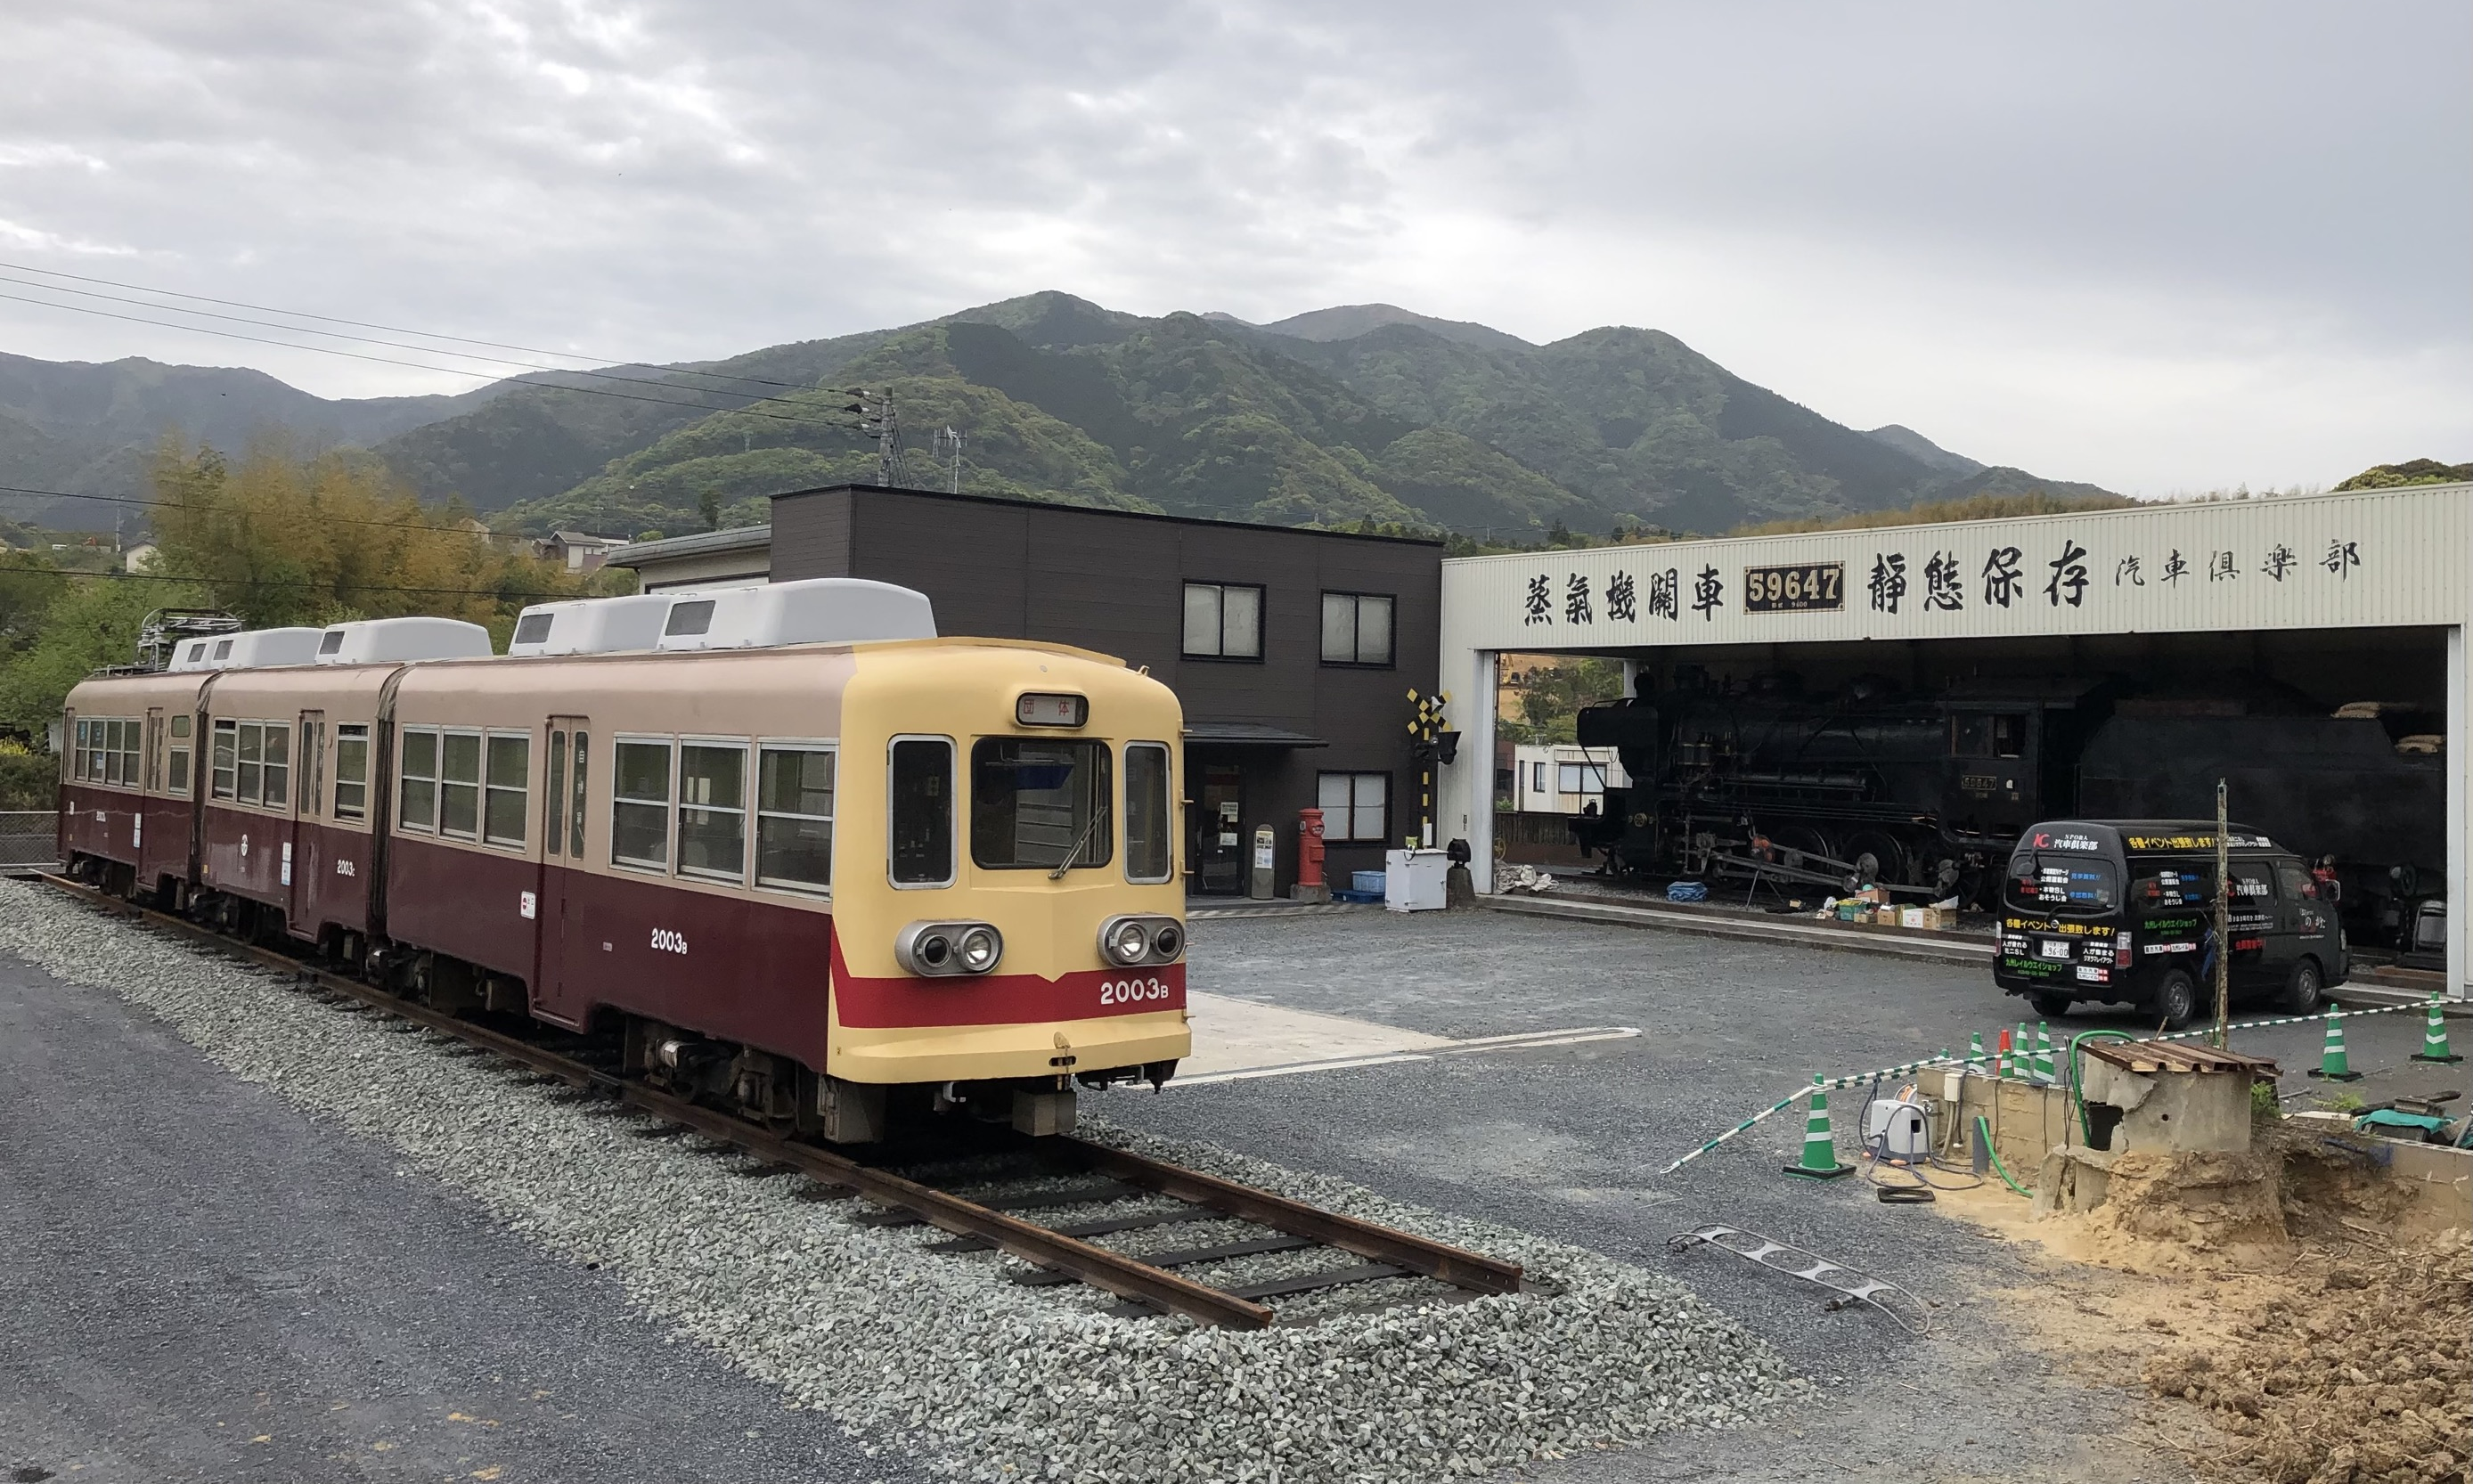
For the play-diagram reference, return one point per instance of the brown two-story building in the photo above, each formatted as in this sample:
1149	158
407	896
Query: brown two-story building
1293	651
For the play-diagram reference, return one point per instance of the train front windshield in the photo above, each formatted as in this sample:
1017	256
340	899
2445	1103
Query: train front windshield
2052	883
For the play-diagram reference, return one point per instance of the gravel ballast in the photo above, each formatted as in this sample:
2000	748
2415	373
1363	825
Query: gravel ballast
935	1354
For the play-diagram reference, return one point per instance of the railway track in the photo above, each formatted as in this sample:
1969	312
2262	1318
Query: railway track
1092	1174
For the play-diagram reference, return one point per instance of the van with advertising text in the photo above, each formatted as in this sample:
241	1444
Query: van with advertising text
2122	912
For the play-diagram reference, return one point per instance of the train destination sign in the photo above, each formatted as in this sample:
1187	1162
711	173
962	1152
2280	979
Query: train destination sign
1815	586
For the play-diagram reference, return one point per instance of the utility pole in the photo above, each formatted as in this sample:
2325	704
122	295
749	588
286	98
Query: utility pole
2224	920
877	419
952	436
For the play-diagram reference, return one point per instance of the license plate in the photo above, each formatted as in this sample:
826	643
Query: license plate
2053	949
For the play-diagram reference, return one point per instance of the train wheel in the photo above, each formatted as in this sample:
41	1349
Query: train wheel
1803	840
1882	852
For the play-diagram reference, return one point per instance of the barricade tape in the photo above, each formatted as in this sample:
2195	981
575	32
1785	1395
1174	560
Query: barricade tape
1906	1068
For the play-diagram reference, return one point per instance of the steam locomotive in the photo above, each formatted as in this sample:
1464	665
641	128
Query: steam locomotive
1926	792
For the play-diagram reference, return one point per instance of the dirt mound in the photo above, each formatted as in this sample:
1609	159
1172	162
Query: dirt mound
2208	1201
2360	1374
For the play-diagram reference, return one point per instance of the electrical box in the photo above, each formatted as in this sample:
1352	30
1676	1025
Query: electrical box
1898	1131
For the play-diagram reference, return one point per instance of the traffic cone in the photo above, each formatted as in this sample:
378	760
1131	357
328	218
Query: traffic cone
2043	1051
2332	1064
1975	1058
2000	1054
1819	1145
2024	1064
2434	1041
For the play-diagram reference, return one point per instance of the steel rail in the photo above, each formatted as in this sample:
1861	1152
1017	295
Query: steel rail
1096	1266
1452	1265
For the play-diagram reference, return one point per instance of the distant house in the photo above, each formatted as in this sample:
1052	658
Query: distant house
577	551
1563	778
140	558
708	559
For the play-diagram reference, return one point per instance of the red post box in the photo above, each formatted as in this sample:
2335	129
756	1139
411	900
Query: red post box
1309	847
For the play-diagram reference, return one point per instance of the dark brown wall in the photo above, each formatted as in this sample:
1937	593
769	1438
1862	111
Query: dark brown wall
1115	581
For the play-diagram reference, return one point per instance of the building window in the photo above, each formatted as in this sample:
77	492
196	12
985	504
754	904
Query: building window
1537	778
509	785
1150	824
921	790
1223	621
1356	807
794	818
712	811
417	809
640	807
351	770
1579	778
1356	629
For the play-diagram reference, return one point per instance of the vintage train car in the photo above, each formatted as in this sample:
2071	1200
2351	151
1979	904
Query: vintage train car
797	876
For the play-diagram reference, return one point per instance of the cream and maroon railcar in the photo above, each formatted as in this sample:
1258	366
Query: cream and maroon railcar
796	875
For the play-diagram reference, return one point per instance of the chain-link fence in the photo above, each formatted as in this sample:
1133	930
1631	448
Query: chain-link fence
29	837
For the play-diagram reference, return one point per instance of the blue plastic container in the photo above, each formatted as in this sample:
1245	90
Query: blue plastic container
1368	881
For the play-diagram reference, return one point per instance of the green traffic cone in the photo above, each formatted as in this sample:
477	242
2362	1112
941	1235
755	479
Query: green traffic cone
2024	1064
1976	1062
2332	1064
2043	1051
1819	1145
2434	1041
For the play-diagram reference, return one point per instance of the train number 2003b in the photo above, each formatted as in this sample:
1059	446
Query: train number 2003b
1133	992
1794	590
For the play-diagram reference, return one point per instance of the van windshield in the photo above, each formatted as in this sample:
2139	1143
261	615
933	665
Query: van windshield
2048	882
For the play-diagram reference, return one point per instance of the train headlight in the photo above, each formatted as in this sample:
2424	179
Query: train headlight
1127	942
938	950
981	946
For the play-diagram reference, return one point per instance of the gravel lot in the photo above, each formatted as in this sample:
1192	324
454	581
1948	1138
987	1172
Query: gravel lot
922	1356
1564	1142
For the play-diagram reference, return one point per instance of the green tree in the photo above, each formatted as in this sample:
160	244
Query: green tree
1552	696
93	624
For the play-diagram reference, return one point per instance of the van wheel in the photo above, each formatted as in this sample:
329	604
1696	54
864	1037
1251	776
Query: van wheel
2176	1002
2051	1004
2302	991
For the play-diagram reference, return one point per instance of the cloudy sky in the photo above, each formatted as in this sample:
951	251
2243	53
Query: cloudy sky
2165	248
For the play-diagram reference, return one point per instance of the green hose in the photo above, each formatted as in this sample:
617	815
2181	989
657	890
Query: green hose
1983	1131
2077	1098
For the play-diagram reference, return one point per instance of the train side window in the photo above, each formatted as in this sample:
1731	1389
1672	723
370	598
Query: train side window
459	783
921	811
794	818
277	782
1150	824
639	806
554	791
351	771
713	810
575	811
2009	737
507	793
418	770
223	762
252	762
178	766
313	763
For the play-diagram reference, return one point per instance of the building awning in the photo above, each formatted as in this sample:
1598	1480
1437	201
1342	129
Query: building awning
1246	734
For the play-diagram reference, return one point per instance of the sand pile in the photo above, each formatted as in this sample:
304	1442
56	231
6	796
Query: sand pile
2359	1375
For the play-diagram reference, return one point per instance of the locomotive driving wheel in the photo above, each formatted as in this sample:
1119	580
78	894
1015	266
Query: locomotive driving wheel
1879	855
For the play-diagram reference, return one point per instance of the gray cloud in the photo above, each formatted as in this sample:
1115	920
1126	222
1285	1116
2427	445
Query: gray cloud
2162	247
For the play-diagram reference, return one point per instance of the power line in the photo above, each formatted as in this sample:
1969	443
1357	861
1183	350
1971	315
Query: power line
392	329
387	360
302	330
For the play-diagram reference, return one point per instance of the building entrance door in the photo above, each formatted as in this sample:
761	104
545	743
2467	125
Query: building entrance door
1219	836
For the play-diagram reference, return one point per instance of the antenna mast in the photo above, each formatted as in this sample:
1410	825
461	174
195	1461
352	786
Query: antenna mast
952	436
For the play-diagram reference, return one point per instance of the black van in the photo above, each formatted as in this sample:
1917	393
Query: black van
2122	911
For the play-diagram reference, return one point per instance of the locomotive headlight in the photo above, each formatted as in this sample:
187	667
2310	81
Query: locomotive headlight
937	950
980	949
1129	940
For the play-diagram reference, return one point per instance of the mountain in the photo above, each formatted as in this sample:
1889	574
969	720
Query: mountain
1915	445
1353	413
90	428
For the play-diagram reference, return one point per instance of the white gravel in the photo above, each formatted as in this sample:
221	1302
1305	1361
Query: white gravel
934	1355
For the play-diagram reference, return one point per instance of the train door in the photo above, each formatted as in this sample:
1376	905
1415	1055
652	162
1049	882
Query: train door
150	782
564	787
303	856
